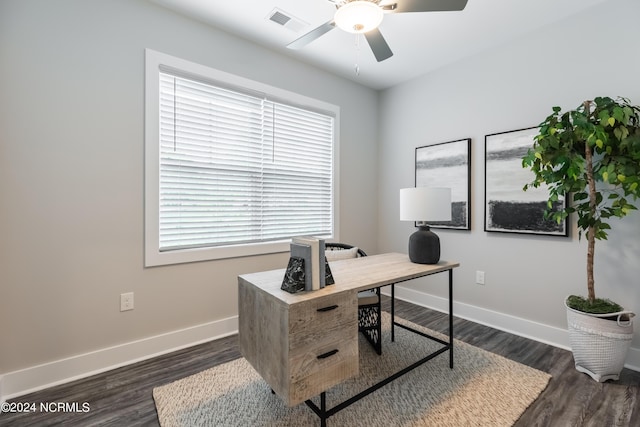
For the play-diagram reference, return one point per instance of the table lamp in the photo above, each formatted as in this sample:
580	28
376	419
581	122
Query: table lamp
425	204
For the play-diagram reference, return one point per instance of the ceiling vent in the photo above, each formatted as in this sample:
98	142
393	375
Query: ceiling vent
286	20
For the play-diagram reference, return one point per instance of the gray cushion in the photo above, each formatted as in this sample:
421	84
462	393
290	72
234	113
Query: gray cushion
367	297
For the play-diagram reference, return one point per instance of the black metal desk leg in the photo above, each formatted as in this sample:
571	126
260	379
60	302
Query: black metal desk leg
393	312
323	409
451	318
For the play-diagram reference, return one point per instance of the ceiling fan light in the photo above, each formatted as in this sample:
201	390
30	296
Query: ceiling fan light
359	16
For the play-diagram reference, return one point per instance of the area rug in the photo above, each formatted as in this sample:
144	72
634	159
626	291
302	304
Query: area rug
482	390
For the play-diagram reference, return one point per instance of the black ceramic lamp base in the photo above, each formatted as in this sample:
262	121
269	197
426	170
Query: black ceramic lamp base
424	246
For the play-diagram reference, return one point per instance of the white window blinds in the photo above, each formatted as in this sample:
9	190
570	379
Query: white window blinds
239	168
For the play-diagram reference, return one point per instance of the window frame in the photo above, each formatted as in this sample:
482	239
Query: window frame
154	63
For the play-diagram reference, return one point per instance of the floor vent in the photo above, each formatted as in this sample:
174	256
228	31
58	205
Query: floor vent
286	20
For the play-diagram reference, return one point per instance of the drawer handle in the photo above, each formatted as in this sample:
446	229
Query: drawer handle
328	354
331	307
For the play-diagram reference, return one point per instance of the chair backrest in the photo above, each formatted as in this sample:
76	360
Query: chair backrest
330	247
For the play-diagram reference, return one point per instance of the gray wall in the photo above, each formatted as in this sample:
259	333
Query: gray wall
508	88
71	174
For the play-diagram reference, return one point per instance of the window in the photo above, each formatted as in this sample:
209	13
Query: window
233	167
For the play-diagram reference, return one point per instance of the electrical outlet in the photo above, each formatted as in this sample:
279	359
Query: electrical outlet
480	277
126	301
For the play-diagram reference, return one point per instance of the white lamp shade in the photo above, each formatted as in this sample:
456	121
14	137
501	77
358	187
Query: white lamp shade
358	16
425	204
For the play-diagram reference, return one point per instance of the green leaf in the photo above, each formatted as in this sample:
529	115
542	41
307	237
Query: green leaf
618	113
618	133
624	131
611	121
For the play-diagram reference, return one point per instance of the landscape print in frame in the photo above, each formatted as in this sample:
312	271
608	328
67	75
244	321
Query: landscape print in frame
448	164
508	208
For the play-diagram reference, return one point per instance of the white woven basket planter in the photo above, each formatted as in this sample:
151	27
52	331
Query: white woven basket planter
599	346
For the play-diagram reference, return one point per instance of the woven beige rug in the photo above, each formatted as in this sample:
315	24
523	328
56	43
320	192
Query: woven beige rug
483	390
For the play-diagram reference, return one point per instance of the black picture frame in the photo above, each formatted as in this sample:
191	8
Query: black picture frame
447	164
507	207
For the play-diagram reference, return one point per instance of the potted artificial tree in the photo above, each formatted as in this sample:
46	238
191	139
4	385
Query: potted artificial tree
593	153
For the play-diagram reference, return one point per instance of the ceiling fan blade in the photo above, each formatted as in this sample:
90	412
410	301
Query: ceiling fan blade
403	6
378	45
312	35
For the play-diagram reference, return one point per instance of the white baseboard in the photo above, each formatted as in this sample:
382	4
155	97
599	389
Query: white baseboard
557	337
28	380
633	359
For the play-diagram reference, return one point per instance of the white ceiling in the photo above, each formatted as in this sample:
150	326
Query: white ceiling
421	42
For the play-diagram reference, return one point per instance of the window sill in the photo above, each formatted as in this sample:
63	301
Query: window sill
155	258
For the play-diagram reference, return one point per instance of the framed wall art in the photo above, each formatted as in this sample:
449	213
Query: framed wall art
448	164
508	208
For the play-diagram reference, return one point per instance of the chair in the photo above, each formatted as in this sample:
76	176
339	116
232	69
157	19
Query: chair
369	310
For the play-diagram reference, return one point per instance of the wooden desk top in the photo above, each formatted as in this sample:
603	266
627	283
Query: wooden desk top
355	274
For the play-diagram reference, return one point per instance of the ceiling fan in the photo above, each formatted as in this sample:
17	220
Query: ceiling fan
364	16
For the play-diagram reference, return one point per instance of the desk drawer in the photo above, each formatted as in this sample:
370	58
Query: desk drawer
323	354
323	364
315	316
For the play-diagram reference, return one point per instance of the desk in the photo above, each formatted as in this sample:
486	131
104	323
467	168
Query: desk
305	343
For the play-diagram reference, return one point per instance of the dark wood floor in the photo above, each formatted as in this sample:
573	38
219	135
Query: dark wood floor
122	397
